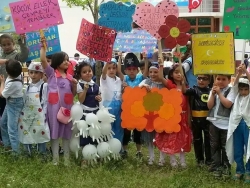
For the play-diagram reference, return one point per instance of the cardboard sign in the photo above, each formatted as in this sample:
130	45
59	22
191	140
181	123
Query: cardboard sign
6	21
159	109
135	41
236	18
117	16
95	41
150	18
213	53
36	14
33	42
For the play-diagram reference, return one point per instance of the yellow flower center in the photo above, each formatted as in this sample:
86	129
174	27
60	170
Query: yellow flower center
174	32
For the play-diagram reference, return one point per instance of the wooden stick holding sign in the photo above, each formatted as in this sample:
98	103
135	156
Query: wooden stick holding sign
43	36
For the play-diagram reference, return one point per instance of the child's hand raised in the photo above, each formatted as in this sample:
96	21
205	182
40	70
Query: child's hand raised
119	53
144	55
147	87
160	61
74	81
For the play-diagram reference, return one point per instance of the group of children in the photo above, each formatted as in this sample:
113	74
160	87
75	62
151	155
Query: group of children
30	115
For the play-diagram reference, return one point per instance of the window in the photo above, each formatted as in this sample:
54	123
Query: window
203	24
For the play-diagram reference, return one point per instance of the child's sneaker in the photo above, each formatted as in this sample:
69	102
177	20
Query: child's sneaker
247	179
217	173
161	163
138	155
226	172
124	154
183	165
150	161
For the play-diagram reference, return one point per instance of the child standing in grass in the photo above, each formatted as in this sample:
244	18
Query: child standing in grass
155	80
12	91
180	142
220	101
200	125
8	52
238	140
132	79
111	87
32	127
88	94
61	91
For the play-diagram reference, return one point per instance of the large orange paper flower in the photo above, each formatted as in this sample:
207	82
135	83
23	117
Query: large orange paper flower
174	32
157	110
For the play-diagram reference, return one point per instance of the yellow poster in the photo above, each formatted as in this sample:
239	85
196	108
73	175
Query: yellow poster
213	53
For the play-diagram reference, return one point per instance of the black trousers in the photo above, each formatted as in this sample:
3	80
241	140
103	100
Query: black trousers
127	136
218	138
2	107
202	149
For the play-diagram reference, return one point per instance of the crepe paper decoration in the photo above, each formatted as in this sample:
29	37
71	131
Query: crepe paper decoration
117	16
135	41
33	15
174	32
159	109
6	21
33	42
194	4
150	17
95	41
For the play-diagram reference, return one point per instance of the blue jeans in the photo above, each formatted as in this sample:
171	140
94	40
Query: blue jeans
9	123
240	136
40	147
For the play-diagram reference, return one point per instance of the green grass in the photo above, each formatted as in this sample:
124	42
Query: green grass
129	173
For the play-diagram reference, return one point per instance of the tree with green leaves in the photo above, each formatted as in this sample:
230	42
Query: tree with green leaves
93	6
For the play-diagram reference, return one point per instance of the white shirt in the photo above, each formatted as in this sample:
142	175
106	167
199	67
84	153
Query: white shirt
13	89
111	88
217	121
79	88
168	63
36	88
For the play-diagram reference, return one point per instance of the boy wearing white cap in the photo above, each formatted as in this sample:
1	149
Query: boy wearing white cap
239	123
33	127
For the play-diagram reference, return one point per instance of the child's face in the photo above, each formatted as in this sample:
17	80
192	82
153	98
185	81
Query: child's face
202	81
35	76
112	69
131	72
222	81
177	74
65	64
244	91
154	74
7	45
86	73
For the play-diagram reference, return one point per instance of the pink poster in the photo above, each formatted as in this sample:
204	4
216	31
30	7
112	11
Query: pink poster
95	41
32	15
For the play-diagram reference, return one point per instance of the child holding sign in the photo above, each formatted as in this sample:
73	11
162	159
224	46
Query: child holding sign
61	91
155	80
180	142
111	88
132	79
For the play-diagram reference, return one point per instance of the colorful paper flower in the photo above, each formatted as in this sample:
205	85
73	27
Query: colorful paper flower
174	32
